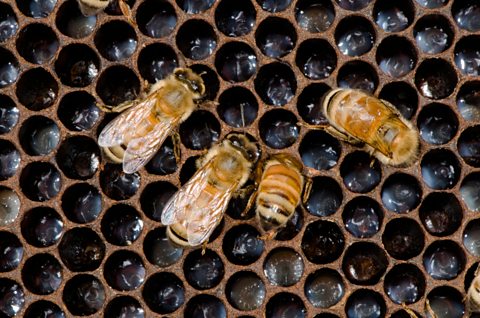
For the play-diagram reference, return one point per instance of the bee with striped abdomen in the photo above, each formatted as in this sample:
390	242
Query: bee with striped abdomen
361	119
279	192
93	7
198	206
134	136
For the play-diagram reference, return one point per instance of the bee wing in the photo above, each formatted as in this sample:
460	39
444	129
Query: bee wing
126	123
141	150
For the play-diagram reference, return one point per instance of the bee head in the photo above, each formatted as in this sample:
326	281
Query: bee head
193	81
247	146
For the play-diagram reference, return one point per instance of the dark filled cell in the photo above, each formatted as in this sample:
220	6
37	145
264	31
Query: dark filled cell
403	96
275	37
468	101
195	6
81	249
322	242
274	6
319	150
403	238
444	260
84	295
357	75
275	84
242	245
396	56
441	213
196	39
8	22
435	78
159	250
203	269
9	114
470	191
203	306
285	304
432	4
440	169
393	16
325	197
284	267
437	124
117	184
117	84
433	34
37	43
310	103
36	8
279	128
469	147
404	284
245	291
401	193
42	274
77	65
200	131
467	55
12	297
314	16
154	198
157	61
116	40
365	303
364	263
360	172
82	203
445	302
236	62
42	227
124	270
362	217
235	18
11	250
44	308
9	68
9	159
40	181
79	157
39	136
71	22
164	293
36	89
466	14
156	19
471	236
164	161
121	225
316	59
78	111
354	36
123	307
324	288
237	107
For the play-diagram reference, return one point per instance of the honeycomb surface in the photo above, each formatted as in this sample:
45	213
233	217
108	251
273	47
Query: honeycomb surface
78	237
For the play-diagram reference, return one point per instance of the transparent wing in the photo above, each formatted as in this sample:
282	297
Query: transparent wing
124	125
140	150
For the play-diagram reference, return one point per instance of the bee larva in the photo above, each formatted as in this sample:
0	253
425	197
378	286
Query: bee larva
135	135
279	192
364	120
198	206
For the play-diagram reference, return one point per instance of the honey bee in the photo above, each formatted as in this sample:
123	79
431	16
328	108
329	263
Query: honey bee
197	208
93	7
279	192
134	136
375	124
473	294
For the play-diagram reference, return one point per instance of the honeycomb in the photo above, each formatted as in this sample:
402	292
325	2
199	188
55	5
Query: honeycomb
78	237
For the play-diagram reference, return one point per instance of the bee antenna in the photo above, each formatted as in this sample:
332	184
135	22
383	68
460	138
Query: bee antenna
182	60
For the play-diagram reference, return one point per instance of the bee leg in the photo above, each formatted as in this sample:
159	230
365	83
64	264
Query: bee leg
176	146
307	190
313	127
268	236
250	203
126	11
204	247
116	109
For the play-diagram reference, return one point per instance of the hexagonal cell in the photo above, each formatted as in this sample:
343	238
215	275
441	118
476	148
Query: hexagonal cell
78	111
319	150
245	291
210	79
242	246
235	18
156	19
279	128
470	191
403	238
403	96
441	213
435	78
78	157
121	225
164	161
124	270
396	56
275	84
81	249
203	269
158	249
205	304
37	43
354	36
36	8
236	62
283	266
39	136
124	306
393	16
401	193
196	39
309	103
275	37
42	227
77	65
194	6
9	68
154	197
365	303
440	169
443	302
404	284
40	181
274	6
357	75
324	288
237	106
433	33
468	100
8	22
437	124
325	197
360	172
116	40
444	260
9	159
82	203
200	131
117	84
45	308
117	184
322	242
9	114
362	217
163	293
156	61
42	274
12	251
285	304
466	13
37	89
13	297
471	237
77	295
314	16
9	206
467	55
364	263
71	22
469	147
316	59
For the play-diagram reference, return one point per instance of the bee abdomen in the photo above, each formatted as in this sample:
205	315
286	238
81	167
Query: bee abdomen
115	154
177	235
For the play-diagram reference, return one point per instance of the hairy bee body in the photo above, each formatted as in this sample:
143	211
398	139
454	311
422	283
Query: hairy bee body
92	7
197	208
279	191
362	119
473	295
136	134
